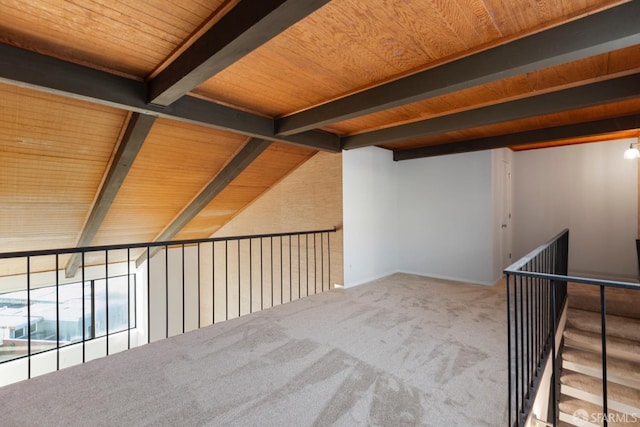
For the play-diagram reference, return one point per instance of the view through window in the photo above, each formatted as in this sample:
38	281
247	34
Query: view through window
55	318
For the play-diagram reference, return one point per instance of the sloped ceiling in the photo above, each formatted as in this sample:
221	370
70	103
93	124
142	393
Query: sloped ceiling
142	120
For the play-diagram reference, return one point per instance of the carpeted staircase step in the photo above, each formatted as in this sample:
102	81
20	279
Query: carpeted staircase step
617	326
589	363
576	412
618	348
620	302
583	387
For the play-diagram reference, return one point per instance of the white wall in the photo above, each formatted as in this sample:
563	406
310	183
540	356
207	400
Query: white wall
587	188
433	217
370	214
446	217
447	211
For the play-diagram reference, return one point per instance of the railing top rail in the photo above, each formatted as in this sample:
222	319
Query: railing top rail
516	266
515	269
170	243
575	279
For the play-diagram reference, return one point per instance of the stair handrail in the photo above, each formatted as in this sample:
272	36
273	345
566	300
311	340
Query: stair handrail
534	305
524	278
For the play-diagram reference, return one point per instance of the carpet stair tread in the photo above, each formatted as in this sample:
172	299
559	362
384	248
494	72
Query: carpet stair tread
620	398
618	348
620	302
586	362
617	326
578	409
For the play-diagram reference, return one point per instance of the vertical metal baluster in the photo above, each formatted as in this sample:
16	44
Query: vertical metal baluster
93	309
329	261
184	308
213	282
299	271
603	320
290	273
128	298
199	285
261	277
522	350
134	302
554	373
535	309
106	297
226	279
281	274
547	310
57	313
84	327
148	295
530	357
315	265
537	357
307	261
516	359
539	317
321	262
239	313
250	275
509	354
540	330
271	259
271	240
29	317
166	290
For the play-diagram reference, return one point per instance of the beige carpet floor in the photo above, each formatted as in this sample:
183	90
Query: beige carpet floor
400	351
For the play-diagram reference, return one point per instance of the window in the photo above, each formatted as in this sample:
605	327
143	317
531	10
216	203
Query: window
19	332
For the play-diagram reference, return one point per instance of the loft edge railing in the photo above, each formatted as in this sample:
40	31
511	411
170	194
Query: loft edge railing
311	250
159	244
532	334
534	308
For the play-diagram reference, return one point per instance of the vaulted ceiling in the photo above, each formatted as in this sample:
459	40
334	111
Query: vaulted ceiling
126	121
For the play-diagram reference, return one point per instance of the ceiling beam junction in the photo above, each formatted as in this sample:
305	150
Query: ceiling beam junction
251	151
557	133
32	70
243	29
608	91
608	30
134	136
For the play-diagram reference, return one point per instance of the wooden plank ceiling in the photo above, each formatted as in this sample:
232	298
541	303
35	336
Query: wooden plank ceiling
123	121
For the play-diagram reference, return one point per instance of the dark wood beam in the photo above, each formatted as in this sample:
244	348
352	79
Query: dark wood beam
244	28
32	70
134	136
577	130
604	92
611	29
239	163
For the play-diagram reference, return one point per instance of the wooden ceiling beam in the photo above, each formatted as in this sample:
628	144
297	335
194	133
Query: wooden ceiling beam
608	91
134	136
251	151
32	70
577	130
611	29
243	29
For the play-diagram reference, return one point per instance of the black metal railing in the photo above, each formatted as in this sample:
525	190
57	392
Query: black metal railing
170	288
33	323
537	295
534	306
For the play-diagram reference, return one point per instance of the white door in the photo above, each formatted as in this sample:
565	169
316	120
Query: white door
505	216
